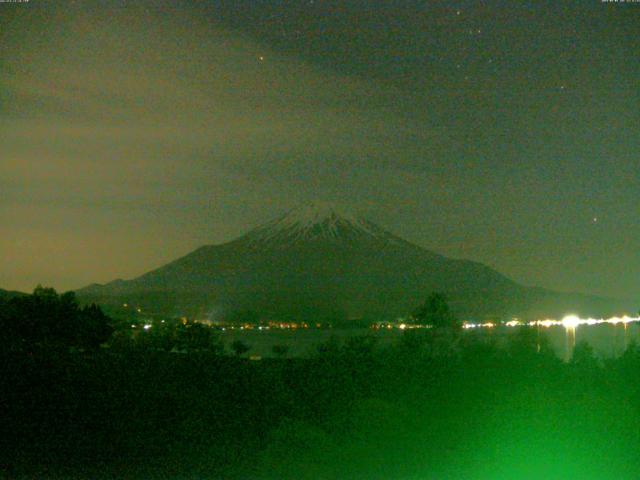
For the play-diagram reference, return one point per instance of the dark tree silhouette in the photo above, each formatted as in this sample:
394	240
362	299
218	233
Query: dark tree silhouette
414	340
436	312
46	318
584	357
330	347
526	342
280	351
194	336
240	348
360	346
93	326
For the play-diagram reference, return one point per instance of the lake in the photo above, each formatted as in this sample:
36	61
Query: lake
607	340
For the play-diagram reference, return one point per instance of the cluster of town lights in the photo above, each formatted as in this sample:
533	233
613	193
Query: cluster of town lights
570	321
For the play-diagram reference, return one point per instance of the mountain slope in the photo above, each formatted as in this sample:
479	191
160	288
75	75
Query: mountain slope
318	263
9	294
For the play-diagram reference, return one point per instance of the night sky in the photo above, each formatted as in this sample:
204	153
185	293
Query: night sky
499	131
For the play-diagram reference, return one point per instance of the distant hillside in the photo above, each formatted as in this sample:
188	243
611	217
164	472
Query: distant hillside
318	263
7	294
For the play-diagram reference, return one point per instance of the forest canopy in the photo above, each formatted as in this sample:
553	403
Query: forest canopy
48	318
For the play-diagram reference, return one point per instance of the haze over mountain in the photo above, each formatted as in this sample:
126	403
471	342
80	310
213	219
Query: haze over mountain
317	262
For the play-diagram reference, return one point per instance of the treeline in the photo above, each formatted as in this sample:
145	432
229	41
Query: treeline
436	405
48	319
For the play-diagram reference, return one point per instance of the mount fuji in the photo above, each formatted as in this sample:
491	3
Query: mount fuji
318	263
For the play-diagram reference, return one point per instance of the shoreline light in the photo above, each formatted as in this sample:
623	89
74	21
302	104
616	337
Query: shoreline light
568	322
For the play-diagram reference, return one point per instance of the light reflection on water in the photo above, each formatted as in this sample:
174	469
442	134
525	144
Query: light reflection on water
607	339
570	344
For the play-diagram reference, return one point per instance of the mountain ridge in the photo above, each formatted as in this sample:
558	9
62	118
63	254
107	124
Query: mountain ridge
319	262
9	294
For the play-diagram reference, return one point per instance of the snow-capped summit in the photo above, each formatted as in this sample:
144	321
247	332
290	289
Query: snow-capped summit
310	214
321	262
316	220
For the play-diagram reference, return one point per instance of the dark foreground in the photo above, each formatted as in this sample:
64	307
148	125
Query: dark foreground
353	411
